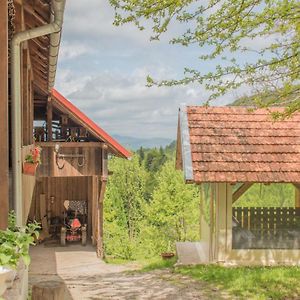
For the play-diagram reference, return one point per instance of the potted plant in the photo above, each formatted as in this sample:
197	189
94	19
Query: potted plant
168	254
14	250
32	160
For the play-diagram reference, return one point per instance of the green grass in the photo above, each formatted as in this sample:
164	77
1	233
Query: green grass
158	263
116	261
260	283
250	283
145	265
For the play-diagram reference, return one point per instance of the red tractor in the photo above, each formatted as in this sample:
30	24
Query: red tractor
74	227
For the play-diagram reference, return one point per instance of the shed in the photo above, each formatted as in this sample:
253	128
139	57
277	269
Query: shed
74	167
225	150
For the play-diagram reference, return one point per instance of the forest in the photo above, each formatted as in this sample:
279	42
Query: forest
148	206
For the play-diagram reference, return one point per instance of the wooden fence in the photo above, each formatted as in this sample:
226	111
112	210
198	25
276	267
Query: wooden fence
266	227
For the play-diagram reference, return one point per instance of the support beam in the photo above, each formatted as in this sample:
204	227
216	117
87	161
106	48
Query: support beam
4	149
25	97
49	120
240	191
297	194
103	181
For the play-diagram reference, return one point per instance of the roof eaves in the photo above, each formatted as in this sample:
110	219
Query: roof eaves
92	126
185	145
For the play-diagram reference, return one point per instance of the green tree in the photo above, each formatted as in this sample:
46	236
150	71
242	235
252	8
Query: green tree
265	34
141	153
173	213
124	206
273	195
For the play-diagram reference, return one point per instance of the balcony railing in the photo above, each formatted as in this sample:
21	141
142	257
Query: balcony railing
266	228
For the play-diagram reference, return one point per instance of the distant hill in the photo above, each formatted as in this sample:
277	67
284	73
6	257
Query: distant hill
134	143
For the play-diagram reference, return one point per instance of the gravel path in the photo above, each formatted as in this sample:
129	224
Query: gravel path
86	277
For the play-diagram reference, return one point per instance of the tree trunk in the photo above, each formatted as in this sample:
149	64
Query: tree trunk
48	290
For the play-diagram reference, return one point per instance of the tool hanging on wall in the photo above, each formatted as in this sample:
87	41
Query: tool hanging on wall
60	156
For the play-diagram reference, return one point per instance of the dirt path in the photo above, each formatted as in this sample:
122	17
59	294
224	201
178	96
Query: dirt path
86	277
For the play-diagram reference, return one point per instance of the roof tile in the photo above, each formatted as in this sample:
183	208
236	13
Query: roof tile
232	144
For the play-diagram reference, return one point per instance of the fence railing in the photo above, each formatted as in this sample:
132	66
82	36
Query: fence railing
266	227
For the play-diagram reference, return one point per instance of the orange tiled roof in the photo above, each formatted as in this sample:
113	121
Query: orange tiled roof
232	144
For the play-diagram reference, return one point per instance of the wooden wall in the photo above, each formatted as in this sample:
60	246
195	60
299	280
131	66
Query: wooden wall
4	185
83	188
70	166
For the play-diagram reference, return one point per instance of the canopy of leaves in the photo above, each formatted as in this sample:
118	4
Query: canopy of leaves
263	34
148	206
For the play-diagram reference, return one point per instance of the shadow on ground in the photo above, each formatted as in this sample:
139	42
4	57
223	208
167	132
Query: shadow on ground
87	277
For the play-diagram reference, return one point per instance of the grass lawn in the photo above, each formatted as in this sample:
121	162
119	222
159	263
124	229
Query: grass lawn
250	283
259	283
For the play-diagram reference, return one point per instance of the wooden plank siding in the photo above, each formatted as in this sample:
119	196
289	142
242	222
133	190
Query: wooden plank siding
69	166
59	189
266	227
4	149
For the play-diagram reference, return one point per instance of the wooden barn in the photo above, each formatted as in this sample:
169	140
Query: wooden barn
74	148
73	166
226	151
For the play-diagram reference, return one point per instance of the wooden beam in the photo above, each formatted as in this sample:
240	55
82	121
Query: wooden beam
4	185
38	43
38	51
25	97
49	120
297	194
103	182
39	61
39	82
34	14
71	144
240	191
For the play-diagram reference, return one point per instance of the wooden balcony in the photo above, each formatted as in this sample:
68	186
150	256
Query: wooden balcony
63	159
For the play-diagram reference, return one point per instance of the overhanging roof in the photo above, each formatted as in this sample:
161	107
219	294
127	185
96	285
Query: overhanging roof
233	144
89	124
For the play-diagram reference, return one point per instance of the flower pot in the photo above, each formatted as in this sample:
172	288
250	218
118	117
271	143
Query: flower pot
4	273
167	255
29	168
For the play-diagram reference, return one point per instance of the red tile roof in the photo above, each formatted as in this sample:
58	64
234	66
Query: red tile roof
90	125
232	144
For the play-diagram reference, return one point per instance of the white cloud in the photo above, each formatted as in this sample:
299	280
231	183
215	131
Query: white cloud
103	69
71	50
124	105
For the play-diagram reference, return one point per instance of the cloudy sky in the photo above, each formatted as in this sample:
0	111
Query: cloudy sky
103	68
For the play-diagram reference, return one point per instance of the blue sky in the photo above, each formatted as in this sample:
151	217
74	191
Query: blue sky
102	69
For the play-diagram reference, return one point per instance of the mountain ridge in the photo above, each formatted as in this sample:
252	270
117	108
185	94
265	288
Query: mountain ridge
135	143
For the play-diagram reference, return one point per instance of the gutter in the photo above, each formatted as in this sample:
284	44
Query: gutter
54	29
186	152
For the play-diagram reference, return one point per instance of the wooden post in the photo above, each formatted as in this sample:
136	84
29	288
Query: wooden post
297	194
49	120
25	128
103	181
221	219
48	290
4	149
297	197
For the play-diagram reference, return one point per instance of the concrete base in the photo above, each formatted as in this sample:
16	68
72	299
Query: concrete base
192	253
19	290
